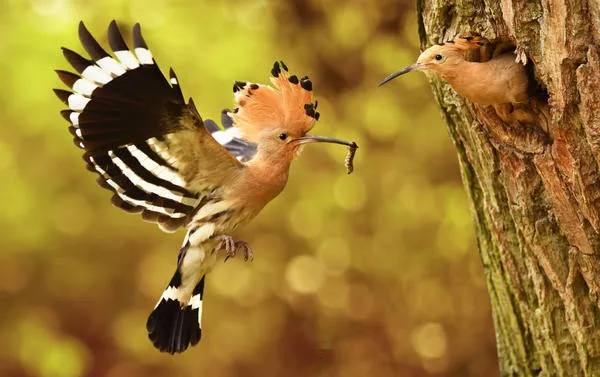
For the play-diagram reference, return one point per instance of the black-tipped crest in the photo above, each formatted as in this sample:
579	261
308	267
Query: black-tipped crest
276	69
238	85
309	109
306	84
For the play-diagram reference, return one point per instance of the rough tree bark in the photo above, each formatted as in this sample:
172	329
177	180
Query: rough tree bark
535	195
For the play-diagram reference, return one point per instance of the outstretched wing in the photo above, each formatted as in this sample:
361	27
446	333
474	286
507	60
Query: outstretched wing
148	146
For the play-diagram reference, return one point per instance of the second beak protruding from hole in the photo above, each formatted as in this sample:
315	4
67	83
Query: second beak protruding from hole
413	67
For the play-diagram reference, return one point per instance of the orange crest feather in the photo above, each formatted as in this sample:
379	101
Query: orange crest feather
478	49
262	107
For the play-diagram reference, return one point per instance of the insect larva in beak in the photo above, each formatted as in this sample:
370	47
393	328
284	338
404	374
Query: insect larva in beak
349	160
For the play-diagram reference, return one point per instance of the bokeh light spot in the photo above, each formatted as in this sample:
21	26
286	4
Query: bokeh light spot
305	274
46	353
347	25
429	340
350	192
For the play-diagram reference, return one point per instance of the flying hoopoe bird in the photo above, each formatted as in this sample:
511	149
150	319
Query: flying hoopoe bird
162	160
485	74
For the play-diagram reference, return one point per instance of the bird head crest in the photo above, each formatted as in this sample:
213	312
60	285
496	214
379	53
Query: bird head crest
262	107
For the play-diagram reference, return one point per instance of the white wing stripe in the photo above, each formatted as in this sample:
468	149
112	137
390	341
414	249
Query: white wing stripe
147	186
132	201
96	74
158	170
127	59
160	149
84	86
77	102
144	55
111	66
74	117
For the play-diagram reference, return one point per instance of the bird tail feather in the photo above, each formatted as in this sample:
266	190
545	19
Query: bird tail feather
174	325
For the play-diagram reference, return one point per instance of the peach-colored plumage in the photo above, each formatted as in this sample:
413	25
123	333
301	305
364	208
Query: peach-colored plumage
485	74
262	106
161	159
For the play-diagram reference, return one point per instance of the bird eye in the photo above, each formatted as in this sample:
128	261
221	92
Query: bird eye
283	136
438	57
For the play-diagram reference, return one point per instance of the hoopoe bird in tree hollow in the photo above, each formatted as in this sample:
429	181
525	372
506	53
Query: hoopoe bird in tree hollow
160	159
484	73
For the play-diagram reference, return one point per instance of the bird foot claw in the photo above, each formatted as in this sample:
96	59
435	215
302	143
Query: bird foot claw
233	248
245	249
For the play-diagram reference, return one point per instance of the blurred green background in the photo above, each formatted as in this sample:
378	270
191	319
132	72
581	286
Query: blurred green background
371	274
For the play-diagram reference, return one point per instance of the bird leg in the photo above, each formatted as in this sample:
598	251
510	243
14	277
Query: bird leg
233	248
226	243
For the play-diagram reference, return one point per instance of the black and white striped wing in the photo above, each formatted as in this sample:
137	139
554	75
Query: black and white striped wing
127	116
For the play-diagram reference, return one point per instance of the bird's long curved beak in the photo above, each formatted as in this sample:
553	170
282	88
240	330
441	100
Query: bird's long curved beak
413	67
322	139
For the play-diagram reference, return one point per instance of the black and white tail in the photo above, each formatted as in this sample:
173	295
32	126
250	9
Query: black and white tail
173	326
175	322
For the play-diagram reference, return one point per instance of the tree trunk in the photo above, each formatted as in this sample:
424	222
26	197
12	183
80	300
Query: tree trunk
534	190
